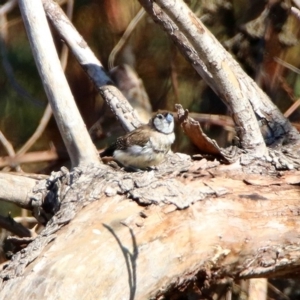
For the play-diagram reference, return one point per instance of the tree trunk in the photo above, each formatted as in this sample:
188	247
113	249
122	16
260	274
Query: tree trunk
116	248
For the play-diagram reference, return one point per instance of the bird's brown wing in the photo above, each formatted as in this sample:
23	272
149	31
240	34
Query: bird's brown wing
139	136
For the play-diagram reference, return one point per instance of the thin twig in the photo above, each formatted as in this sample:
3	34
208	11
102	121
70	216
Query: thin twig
29	220
10	150
279	293
295	70
287	65
65	50
7	145
36	156
14	227
296	12
38	132
292	108
124	38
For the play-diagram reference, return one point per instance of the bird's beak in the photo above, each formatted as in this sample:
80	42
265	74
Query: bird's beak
169	118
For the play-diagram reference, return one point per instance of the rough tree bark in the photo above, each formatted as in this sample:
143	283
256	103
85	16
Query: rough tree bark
116	248
153	234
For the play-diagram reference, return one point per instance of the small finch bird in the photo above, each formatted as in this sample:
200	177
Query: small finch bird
146	146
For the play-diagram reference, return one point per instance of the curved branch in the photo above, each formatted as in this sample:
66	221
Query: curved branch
84	55
133	23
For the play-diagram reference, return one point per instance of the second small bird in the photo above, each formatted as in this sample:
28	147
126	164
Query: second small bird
145	146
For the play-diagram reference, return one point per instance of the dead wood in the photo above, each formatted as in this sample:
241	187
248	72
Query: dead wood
16	189
250	107
152	233
114	98
80	148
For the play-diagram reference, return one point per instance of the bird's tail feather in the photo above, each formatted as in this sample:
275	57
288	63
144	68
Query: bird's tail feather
108	151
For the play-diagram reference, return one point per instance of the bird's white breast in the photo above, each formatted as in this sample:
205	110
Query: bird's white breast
151	154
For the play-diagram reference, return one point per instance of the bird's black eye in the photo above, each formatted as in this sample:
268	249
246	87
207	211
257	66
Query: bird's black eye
160	116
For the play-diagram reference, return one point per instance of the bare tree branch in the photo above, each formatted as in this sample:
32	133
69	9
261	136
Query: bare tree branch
48	112
114	98
79	146
15	189
30	157
11	225
8	6
223	74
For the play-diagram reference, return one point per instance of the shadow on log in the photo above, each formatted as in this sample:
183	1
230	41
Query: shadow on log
116	248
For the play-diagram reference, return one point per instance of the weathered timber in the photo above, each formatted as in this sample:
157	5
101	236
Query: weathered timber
103	244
